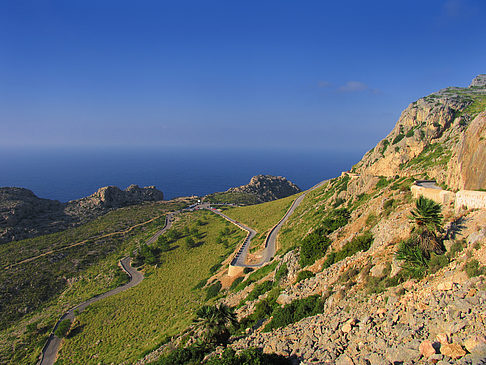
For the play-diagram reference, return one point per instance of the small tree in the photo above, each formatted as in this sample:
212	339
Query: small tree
190	243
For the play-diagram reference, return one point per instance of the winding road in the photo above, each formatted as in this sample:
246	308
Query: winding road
51	348
270	242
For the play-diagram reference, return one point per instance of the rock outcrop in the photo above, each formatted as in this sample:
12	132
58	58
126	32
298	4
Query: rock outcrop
440	136
268	187
24	215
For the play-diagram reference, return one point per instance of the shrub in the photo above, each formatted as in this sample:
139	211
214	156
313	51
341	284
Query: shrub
247	270
215	268
190	243
200	285
63	328
304	274
184	355
334	220
281	273
359	243
295	311
437	262
398	138
259	290
473	268
235	283
213	290
313	247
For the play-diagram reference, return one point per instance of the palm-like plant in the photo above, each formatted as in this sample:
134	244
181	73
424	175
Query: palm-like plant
428	222
215	322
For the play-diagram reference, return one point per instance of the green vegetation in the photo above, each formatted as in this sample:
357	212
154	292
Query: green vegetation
261	217
229	197
251	356
359	243
473	268
386	143
434	154
313	247
304	274
295	311
136	320
63	328
215	322
213	290
258	290
257	275
281	273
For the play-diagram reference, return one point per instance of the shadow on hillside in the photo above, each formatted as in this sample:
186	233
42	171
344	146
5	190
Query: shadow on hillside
454	228
76	331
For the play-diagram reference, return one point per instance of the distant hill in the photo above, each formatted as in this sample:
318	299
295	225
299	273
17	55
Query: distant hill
260	189
24	215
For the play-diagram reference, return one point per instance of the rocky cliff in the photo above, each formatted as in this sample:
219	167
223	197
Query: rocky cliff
440	136
24	215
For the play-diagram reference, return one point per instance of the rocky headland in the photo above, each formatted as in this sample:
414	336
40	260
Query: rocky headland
24	215
260	189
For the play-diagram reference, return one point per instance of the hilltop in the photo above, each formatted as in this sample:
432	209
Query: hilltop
260	189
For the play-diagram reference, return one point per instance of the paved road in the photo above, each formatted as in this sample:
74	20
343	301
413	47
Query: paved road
429	184
240	257
269	252
49	353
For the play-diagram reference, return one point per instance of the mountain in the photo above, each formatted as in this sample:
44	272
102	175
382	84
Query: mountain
24	215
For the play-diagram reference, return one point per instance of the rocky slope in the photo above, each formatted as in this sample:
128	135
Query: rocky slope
374	312
440	136
24	215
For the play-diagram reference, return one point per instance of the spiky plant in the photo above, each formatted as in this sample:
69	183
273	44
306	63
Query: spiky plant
427	220
215	321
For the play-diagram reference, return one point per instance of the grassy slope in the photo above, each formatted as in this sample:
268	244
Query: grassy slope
123	327
261	217
92	267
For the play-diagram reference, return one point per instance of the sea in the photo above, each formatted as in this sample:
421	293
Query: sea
71	173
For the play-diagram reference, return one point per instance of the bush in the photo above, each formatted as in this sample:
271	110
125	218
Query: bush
184	355
281	273
295	311
334	220
437	262
63	328
313	247
215	268
235	283
304	274
473	268
213	290
190	243
247	270
259	290
200	285
359	243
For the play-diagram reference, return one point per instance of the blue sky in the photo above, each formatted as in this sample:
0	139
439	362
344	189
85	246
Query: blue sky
274	74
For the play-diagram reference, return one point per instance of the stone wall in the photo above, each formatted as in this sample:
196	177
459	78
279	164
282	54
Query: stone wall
440	196
470	199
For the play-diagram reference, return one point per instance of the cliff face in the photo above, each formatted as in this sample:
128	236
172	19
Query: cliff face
438	136
267	187
24	215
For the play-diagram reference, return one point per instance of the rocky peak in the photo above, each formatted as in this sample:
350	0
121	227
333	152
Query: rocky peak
268	187
428	136
479	81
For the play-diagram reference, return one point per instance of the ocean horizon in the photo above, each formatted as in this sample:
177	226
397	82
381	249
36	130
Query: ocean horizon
71	173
